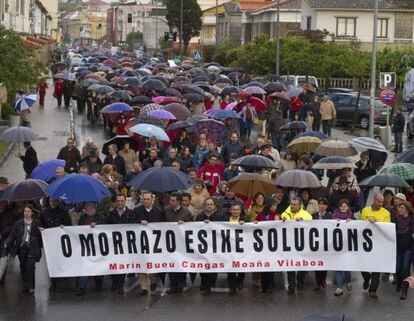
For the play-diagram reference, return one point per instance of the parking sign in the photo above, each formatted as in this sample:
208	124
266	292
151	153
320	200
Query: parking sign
388	80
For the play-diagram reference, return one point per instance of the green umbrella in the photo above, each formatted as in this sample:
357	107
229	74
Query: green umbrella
384	180
89	81
404	171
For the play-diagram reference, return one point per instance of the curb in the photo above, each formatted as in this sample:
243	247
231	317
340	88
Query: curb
7	154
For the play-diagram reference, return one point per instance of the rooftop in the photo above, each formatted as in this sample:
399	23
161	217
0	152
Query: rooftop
361	4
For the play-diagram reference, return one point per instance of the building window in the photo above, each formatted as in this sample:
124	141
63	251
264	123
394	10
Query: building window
129	18
309	23
382	28
345	27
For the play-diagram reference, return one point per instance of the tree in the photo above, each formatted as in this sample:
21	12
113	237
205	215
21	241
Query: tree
134	38
18	70
191	19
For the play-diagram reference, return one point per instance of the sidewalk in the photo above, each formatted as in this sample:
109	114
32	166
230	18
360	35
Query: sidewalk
52	124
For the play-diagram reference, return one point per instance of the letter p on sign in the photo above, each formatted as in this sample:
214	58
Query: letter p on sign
388	80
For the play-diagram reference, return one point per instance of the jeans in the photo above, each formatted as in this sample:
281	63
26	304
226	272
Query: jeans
320	277
27	267
342	277
278	141
208	280
404	259
296	279
235	280
83	280
326	127
246	127
267	280
316	125
177	281
374	279
398	139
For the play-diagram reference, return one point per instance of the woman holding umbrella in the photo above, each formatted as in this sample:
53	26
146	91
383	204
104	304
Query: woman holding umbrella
25	241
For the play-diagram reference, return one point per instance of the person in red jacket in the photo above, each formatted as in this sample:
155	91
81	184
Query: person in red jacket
41	90
295	105
211	173
58	91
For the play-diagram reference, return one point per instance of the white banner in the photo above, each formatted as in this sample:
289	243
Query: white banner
220	247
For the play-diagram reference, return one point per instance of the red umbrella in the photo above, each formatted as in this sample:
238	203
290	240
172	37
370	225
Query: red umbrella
110	63
257	103
308	87
280	95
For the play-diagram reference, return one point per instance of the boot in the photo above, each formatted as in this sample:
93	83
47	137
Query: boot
404	290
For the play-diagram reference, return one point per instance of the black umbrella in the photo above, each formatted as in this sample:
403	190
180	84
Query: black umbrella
179	125
406	157
28	189
255	162
195	118
384	180
146	119
253	83
121	94
132	81
296	124
161	180
182	79
172	92
193	97
153	84
200	78
275	87
191	89
223	80
141	100
119	141
230	90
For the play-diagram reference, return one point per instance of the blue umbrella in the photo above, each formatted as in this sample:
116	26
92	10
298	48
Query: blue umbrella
161	180
116	108
295	91
25	102
78	188
406	157
311	133
224	114
296	124
148	130
46	170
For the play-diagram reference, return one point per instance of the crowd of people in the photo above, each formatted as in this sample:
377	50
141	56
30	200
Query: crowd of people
209	162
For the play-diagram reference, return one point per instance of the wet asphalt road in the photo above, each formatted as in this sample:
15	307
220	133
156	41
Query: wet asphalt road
52	124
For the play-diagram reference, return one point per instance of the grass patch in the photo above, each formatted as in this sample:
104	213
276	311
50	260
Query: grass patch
3	148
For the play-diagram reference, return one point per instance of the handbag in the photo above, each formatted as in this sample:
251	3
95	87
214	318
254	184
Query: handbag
256	120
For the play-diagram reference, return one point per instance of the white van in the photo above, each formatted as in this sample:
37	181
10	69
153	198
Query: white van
296	80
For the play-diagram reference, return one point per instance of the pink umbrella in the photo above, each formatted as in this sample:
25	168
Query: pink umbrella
231	105
165	100
162	114
210	111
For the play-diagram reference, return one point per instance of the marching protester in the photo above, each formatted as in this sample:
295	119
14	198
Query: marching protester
25	241
374	213
92	218
177	213
71	155
29	159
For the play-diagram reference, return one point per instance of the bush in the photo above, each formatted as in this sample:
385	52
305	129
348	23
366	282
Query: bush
7	110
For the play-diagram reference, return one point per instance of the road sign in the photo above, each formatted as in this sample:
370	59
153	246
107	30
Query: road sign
388	96
198	55
388	80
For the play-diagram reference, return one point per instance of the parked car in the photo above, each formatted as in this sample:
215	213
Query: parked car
296	80
335	96
345	110
410	126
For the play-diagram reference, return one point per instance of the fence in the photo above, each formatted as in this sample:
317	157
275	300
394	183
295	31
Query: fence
348	83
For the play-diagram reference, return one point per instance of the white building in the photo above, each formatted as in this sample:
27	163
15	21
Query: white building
352	21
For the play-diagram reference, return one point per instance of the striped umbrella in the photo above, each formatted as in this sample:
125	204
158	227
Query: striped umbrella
298	178
364	143
404	171
334	162
25	102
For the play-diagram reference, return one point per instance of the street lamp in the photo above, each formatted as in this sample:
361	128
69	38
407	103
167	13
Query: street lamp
373	71
181	27
277	38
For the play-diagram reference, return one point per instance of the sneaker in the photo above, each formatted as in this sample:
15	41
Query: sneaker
349	287
373	295
365	286
338	292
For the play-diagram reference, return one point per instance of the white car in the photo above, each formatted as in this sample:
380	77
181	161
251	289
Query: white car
296	80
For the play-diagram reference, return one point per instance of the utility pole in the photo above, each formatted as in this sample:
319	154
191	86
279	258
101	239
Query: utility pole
373	71
181	27
216	23
277	39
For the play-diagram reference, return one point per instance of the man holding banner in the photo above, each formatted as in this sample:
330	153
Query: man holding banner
374	213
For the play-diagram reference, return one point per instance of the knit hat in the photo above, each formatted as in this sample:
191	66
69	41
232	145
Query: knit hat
400	196
269	201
